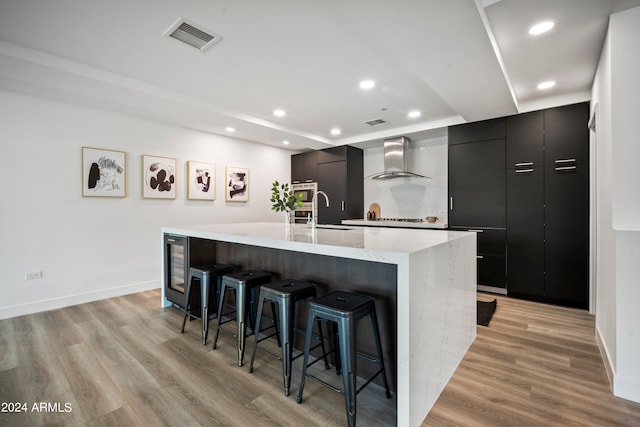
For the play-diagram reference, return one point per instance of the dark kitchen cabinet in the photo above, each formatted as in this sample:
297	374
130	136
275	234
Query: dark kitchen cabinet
525	139
567	234
477	194
477	184
181	253
304	167
484	130
548	205
566	135
525	231
341	177
491	259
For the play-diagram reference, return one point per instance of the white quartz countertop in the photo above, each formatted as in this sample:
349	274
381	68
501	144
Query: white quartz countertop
395	224
366	243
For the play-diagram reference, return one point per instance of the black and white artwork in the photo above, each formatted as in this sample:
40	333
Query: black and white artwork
158	177
201	181
103	173
237	184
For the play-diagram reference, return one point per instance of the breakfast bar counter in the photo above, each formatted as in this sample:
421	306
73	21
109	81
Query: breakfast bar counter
424	282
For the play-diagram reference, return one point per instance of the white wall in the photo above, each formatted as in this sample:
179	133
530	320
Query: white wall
616	90
625	95
92	248
410	197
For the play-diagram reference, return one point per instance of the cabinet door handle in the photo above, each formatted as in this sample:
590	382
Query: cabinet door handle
519	165
566	168
566	161
451	203
479	257
524	170
343	206
171	240
476	231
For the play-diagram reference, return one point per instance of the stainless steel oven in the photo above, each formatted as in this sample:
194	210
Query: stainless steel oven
307	189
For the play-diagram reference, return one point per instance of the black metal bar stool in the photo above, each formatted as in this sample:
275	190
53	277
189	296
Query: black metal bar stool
208	275
243	282
345	309
286	294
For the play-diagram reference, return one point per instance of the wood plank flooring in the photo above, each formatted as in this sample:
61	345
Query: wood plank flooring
123	362
534	365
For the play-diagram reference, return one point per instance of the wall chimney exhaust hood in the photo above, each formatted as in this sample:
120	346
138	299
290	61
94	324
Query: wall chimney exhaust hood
395	160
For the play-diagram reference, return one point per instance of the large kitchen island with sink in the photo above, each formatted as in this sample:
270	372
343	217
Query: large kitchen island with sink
424	283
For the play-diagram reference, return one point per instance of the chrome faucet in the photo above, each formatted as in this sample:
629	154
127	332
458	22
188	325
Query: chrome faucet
313	206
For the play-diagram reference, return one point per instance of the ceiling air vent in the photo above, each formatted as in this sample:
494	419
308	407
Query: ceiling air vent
375	122
189	33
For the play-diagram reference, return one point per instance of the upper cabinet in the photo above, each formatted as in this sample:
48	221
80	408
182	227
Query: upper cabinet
304	167
477	131
565	133
525	139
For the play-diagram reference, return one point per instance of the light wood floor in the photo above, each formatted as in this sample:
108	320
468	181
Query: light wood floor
123	362
534	365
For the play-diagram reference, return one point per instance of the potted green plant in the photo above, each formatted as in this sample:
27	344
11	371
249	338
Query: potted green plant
284	199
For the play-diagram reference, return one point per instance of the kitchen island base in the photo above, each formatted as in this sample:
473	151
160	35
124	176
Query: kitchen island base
424	280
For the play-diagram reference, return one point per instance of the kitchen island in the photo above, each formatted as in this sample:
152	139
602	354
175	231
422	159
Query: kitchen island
423	281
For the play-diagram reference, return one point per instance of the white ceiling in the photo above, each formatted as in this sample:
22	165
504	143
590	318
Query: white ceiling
454	60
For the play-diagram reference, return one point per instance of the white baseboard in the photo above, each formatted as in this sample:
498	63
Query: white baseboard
604	353
68	300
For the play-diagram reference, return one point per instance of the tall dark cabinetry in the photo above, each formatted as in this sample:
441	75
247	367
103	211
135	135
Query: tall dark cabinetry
538	210
477	194
548	205
341	176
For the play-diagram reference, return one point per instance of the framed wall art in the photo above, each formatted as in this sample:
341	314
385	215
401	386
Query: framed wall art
201	179
103	173
236	184
158	177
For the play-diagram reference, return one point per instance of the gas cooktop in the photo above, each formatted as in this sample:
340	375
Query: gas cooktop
401	219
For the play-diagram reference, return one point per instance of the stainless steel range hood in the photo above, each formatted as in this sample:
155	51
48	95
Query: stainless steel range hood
395	160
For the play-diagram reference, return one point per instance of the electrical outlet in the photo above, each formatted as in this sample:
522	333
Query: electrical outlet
33	275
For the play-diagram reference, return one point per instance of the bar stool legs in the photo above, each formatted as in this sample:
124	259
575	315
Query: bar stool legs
242	282
208	275
286	294
345	309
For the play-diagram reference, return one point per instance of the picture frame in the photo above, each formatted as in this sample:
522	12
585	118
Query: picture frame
236	184
158	177
103	172
201	181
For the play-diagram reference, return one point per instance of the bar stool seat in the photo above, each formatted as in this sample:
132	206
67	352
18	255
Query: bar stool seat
243	283
345	310
286	293
208	275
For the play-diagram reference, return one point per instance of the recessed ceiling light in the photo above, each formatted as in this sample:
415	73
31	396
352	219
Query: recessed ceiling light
414	114
335	131
279	113
546	85
230	129
541	27
285	142
367	84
